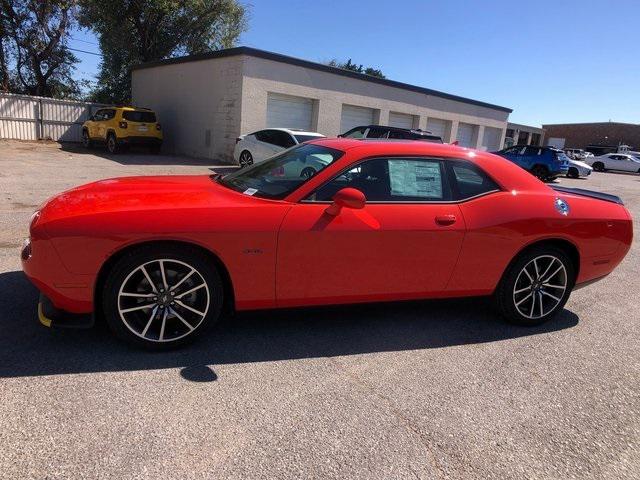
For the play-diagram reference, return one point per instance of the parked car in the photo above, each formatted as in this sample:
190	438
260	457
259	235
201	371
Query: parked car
160	258
258	146
380	131
578	169
118	127
575	153
546	163
615	161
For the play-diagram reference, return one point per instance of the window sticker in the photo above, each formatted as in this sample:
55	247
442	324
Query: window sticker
250	191
415	179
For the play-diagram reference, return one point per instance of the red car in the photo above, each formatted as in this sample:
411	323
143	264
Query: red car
162	257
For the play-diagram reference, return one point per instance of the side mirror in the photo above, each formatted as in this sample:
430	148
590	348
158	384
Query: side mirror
346	198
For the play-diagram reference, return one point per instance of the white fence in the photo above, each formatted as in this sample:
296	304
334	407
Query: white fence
24	117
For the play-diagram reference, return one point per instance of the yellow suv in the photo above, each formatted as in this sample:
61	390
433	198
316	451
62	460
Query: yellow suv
119	127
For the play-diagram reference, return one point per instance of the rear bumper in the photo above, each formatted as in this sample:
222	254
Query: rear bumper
144	141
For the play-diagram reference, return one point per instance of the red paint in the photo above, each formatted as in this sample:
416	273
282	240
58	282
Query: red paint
310	257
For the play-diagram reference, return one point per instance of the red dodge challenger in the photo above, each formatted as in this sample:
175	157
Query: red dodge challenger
160	258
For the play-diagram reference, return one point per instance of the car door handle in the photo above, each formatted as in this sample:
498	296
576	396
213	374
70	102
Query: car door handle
445	219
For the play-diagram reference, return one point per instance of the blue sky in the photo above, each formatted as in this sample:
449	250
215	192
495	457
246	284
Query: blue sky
550	61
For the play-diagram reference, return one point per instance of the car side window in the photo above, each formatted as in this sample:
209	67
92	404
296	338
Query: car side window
99	115
470	181
377	132
264	136
402	135
109	114
530	151
282	139
391	180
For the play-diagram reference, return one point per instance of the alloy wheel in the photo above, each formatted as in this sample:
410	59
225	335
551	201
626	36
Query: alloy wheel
163	300
245	159
540	287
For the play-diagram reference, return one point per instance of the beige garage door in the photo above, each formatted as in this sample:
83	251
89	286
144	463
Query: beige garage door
437	127
353	116
491	139
286	111
401	120
465	135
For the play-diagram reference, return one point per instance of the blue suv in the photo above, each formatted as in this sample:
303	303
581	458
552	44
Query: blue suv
546	163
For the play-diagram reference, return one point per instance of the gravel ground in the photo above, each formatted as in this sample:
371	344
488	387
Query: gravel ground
418	390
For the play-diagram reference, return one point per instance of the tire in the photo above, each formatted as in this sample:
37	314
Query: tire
245	159
517	298
540	171
164	322
573	173
598	167
307	172
112	143
86	141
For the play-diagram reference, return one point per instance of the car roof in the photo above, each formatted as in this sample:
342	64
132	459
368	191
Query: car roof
397	129
293	131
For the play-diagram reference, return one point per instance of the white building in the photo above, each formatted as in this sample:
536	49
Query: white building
206	101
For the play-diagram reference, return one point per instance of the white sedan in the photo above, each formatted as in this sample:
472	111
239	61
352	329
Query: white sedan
615	161
258	146
578	169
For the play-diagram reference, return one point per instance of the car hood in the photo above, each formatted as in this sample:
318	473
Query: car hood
142	193
578	163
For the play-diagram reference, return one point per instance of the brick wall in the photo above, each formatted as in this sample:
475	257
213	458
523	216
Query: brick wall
579	135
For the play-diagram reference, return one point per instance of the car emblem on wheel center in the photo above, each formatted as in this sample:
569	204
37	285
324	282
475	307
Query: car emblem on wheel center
561	206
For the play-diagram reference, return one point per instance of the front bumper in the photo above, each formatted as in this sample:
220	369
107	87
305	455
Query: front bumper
53	317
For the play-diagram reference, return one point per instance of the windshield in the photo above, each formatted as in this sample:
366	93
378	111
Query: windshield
278	176
306	138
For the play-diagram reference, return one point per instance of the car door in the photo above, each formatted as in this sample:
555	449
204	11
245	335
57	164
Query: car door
627	164
103	123
92	126
403	244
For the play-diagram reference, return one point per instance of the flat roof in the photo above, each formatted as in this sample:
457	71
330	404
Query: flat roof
276	57
520	126
589	123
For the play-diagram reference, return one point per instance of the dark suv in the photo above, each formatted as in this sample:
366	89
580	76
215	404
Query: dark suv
546	163
379	131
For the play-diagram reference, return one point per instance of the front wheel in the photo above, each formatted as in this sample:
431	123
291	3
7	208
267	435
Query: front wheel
573	173
162	297
86	141
598	166
112	144
536	286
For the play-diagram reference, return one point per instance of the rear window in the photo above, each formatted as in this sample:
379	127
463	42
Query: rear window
139	116
306	138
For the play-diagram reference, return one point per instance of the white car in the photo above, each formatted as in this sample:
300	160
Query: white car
615	161
258	146
578	169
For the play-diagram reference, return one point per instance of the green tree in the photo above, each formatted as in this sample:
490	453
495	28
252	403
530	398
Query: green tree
349	65
131	32
33	40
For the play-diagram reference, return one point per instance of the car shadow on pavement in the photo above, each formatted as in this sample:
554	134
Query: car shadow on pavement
138	156
29	349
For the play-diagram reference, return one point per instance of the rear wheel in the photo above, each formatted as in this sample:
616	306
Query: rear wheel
598	166
246	159
540	171
536	286
162	297
112	143
573	172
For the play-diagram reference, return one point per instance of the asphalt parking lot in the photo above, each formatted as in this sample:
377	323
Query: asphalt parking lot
426	390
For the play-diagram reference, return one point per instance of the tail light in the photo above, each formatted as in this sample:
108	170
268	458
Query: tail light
277	172
122	124
158	127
